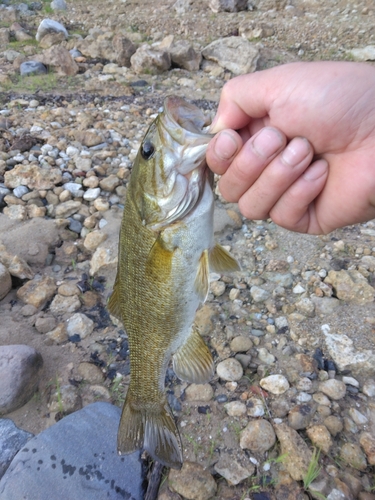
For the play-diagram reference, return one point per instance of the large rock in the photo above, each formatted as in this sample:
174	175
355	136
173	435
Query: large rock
182	53
294	447
38	291
148	60
32	176
19	375
342	351
351	286
258	436
49	26
12	439
192	482
227	5
123	50
76	458
60	59
30	68
234	54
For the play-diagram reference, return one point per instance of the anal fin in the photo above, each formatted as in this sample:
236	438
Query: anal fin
151	428
221	261
193	361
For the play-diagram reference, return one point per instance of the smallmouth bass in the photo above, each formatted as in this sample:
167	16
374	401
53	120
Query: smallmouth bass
166	251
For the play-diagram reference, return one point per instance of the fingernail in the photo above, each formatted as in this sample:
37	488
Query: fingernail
296	151
225	146
316	170
267	142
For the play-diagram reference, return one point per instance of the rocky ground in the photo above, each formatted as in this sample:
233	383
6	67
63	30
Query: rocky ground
292	333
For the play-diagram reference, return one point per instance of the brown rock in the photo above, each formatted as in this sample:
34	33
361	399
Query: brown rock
51	39
37	291
192	482
124	49
367	442
60	59
32	176
299	454
258	436
147	60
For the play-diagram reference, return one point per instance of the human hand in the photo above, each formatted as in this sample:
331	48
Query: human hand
304	150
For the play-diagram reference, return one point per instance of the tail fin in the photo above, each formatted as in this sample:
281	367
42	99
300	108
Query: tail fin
151	429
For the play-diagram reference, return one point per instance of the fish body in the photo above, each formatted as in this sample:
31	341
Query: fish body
165	250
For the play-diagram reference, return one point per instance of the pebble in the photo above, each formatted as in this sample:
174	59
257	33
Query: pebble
91	194
241	344
265	357
369	388
199	392
230	370
258	436
217	288
275	384
255	407
192	482
234	470
334	389
235	409
320	437
79	324
352	454
300	416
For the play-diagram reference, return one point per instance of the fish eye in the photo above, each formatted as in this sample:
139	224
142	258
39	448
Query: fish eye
147	150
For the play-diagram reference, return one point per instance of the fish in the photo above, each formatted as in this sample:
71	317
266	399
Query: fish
166	251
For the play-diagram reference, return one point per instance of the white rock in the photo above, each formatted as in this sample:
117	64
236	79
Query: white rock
235	409
91	194
364	54
298	289
230	370
275	384
79	324
49	26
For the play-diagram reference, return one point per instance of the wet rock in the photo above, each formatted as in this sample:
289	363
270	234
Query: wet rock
49	26
233	53
12	439
351	286
352	455
147	60
5	281
227	5
299	455
29	68
230	370
234	470
320	437
199	392
300	416
77	459
19	375
275	384
37	291
258	436
334	389
367	441
79	324
192	482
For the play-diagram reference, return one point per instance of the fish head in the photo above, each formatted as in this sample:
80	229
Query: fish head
170	170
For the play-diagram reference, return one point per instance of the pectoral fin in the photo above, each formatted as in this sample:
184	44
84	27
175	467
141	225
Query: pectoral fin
159	261
202	278
221	261
114	300
193	361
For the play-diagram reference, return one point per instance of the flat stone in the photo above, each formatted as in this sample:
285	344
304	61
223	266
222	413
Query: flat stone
234	469
297	451
19	375
77	459
12	439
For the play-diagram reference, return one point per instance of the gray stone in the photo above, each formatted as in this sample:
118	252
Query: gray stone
227	5
80	324
275	384
258	294
184	56
352	455
19	375
58	5
12	439
77	457
233	53
334	389
300	416
49	26
351	286
346	357
29	68
325	305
